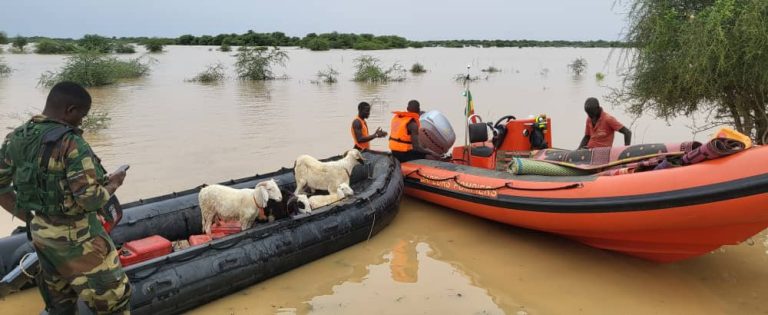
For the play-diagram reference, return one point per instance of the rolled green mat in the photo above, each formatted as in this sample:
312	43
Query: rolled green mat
521	166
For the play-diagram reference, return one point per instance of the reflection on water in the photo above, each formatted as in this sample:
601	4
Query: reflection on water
409	282
177	135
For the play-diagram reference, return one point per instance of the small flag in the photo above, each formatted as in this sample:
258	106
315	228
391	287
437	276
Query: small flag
470	109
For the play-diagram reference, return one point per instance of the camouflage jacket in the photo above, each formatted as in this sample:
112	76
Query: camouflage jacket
83	187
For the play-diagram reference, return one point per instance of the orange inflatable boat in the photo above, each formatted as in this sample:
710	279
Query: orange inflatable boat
662	215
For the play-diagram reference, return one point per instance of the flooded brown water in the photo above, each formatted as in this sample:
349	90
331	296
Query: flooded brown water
430	260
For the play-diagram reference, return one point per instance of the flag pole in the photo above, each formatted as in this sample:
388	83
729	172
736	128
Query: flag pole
467	149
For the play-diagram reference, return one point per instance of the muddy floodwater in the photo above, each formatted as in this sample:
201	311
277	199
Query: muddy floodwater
430	260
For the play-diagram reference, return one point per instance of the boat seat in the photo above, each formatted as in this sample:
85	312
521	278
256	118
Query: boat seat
478	138
483	151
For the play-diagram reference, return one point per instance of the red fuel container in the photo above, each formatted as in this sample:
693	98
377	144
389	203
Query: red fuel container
226	227
200	239
137	251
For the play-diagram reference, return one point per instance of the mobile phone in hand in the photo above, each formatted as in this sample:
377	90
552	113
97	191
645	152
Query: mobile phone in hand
122	168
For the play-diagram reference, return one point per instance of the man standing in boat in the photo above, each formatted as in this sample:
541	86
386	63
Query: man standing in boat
58	185
601	127
360	128
404	141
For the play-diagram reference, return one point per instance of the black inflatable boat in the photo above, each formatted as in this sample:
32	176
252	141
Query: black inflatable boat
195	275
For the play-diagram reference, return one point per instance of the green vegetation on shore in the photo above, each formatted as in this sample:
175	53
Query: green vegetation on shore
93	69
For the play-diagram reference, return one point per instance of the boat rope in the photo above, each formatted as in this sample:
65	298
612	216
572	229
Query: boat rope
21	265
373	223
508	185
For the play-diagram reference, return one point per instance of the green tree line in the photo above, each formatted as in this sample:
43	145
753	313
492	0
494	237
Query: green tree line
312	41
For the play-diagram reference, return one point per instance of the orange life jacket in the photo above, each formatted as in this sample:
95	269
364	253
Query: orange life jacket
364	133
399	139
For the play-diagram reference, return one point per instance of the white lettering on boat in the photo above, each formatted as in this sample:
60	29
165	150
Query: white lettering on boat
472	188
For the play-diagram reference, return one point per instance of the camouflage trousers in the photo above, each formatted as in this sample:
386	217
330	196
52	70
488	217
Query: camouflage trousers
75	267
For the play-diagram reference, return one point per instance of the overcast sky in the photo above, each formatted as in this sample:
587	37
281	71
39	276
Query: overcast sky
413	19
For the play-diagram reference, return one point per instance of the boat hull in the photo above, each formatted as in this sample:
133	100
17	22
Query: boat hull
185	279
663	216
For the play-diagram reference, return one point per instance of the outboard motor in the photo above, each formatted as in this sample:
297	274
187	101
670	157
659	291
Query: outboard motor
436	132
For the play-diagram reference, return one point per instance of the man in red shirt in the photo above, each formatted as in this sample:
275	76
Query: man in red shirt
600	127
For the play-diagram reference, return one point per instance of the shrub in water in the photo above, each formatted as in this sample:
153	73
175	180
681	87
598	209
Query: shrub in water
368	69
418	68
49	46
255	63
154	45
96	43
328	76
91	69
578	66
123	48
4	68
491	69
225	48
19	43
213	73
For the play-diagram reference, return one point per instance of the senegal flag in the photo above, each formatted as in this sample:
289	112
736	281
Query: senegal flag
470	110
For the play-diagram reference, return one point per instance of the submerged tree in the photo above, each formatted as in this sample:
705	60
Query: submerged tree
255	63
578	66
4	68
700	56
19	43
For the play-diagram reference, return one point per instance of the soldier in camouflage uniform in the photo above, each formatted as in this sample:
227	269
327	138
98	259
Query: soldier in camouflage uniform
59	199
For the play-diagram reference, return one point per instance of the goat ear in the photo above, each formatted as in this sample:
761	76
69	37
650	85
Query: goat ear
264	195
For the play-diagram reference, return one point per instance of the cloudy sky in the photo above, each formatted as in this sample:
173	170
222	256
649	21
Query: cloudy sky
413	19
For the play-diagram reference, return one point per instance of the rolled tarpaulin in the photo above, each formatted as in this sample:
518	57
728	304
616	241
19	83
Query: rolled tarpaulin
523	166
715	148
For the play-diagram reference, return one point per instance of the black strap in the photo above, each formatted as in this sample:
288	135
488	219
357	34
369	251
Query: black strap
398	140
50	139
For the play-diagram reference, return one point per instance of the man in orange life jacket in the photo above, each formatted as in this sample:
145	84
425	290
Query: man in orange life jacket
404	141
360	128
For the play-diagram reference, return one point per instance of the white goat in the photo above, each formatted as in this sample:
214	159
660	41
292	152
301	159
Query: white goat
242	204
313	174
310	203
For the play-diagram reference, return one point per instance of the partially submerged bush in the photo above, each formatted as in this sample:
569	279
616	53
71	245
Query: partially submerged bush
154	45
318	44
213	73
124	48
225	48
91	69
19	43
4	68
577	66
418	68
49	46
328	76
464	78
96	120
96	43
255	63
599	76
368	69
491	69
